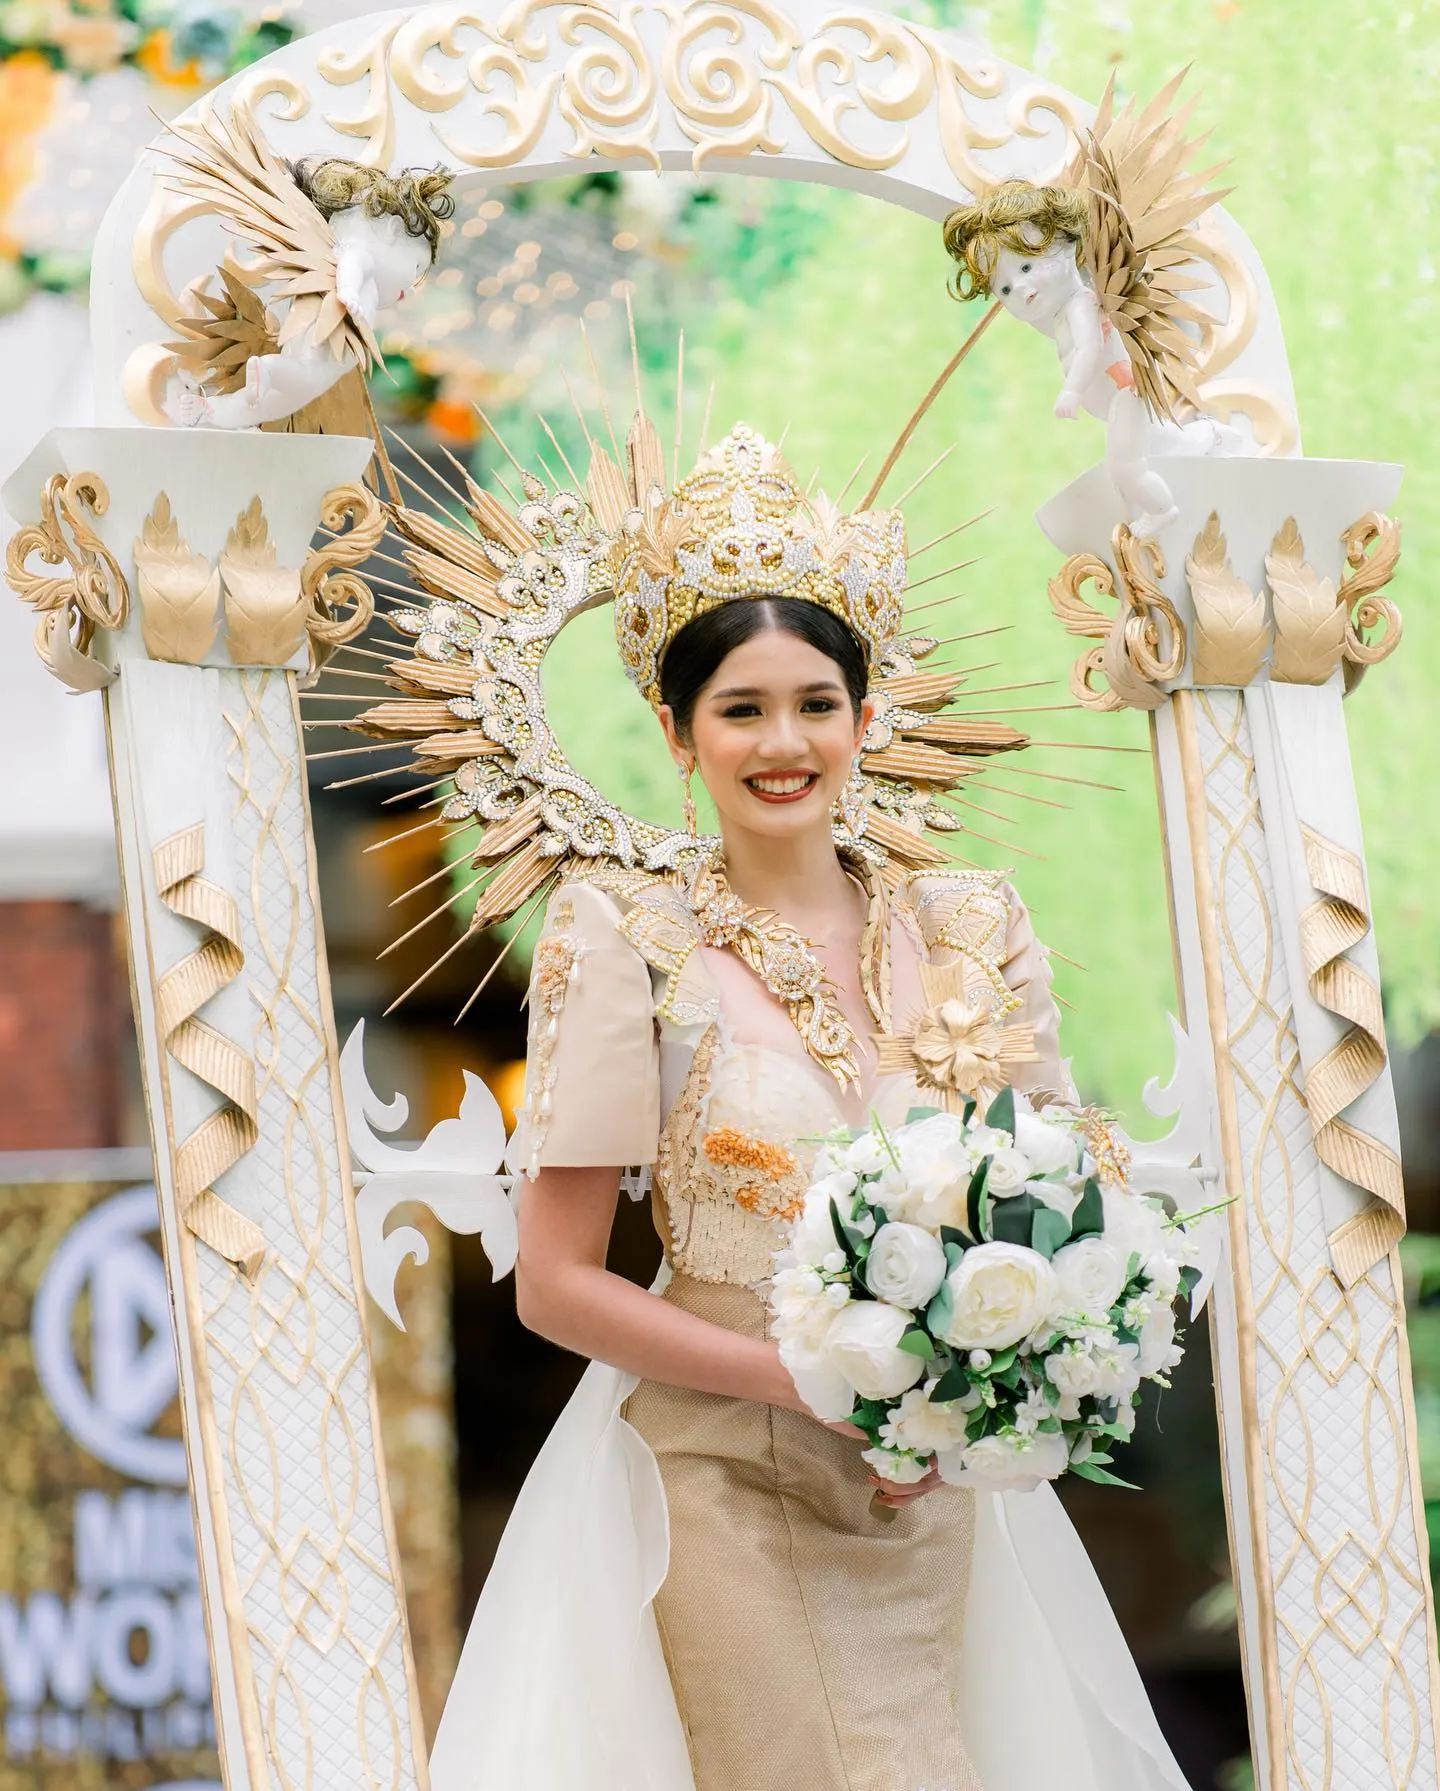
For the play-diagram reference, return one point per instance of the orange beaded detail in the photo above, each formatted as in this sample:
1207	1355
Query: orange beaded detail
778	1193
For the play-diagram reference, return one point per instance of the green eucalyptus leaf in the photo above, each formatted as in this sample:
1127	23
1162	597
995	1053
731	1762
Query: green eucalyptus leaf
1048	1231
1001	1112
917	1342
1088	1219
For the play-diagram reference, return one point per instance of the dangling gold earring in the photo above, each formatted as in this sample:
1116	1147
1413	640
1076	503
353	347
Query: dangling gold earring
692	820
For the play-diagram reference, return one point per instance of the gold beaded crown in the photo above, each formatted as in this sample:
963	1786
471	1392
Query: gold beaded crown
738	527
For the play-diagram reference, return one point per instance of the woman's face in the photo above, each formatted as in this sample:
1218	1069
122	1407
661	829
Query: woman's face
773	736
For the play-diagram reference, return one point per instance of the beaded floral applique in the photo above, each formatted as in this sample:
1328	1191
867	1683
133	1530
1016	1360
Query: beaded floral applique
764	1179
556	969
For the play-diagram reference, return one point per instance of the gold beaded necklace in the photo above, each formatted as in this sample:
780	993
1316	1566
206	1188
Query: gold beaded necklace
786	962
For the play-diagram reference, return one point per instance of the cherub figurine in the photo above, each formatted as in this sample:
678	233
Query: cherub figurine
1106	284
337	240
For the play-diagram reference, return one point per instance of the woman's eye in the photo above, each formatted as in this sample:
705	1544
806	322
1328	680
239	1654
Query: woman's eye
740	711
820	706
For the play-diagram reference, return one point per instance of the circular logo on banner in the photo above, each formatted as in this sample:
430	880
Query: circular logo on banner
112	1407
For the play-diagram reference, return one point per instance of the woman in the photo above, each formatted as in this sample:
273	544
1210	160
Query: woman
747	1619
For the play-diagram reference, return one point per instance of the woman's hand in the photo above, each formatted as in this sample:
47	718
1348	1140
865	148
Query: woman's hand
896	1497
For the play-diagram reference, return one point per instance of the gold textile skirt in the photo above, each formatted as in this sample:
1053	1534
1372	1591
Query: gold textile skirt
812	1646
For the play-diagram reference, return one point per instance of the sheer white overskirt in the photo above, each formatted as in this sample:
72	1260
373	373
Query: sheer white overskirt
562	1685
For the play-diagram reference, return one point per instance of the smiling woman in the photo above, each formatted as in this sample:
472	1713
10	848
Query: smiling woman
768	701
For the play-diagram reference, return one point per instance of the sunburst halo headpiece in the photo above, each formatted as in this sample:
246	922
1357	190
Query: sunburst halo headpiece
740	527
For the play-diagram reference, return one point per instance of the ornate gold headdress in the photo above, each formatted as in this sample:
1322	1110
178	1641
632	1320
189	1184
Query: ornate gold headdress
469	700
739	526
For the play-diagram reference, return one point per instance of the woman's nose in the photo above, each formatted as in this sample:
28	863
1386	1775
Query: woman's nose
784	739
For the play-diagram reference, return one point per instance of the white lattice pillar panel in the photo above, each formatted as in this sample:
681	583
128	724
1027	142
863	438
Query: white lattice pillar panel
176	573
1240	630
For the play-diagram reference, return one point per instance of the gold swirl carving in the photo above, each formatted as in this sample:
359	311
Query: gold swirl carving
93	594
223	1138
1372	551
1329	928
1143	643
1232	625
718	73
341	604
1309	621
179	591
266	611
376	124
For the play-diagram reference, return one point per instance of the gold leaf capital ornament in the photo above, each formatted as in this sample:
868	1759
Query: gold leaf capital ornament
179	591
1309	622
265	605
1232	631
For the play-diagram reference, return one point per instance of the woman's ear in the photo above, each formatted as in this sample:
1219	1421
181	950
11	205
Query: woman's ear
867	715
684	758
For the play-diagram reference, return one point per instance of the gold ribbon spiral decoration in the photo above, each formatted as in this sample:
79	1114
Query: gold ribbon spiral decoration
1329	928
225	1136
341	603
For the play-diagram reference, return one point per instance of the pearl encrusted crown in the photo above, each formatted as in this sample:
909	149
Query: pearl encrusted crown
737	527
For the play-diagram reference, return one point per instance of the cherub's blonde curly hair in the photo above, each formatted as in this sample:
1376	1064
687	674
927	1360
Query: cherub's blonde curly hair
419	197
1019	216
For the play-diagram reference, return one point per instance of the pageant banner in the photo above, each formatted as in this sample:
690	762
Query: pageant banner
104	1670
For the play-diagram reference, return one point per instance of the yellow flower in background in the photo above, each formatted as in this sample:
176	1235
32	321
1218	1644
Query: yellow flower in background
28	86
154	58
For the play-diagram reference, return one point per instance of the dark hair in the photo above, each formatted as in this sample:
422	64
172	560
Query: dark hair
695	655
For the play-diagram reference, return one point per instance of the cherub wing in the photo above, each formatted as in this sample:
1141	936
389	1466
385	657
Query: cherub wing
1145	198
230	167
219	332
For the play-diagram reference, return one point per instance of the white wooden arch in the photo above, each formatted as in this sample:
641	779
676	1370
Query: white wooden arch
1262	841
849	98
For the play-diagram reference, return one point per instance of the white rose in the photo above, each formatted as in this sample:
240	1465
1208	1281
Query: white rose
839	1185
1163	1273
906	1265
920	1424
984	1140
1006	1463
932	1179
812	1237
1157	1342
1073	1372
1118	1371
1009	1171
1091	1276
1132	1224
866	1156
1002	1292
1050	1148
803	1315
862	1344
903	1470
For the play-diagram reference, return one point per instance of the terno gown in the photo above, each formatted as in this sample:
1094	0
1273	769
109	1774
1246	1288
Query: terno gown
693	1593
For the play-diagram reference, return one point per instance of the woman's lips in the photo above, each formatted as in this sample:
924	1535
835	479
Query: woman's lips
788	786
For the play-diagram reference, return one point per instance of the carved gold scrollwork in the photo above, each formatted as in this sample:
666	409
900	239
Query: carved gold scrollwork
1143	643
94	594
1232	622
1372	550
341	602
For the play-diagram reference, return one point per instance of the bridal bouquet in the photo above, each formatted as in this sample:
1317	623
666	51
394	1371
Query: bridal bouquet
982	1296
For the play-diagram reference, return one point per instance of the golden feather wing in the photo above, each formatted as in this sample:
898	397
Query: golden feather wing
228	166
1145	199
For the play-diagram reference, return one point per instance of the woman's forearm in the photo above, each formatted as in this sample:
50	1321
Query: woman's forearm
595	1313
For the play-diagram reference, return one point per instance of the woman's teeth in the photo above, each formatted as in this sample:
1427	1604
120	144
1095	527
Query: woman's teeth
790	785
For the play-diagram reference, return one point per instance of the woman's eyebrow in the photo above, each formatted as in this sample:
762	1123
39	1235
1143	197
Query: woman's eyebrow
750	690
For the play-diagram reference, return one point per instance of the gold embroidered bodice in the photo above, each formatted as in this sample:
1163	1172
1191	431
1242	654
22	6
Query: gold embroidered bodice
649	1048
